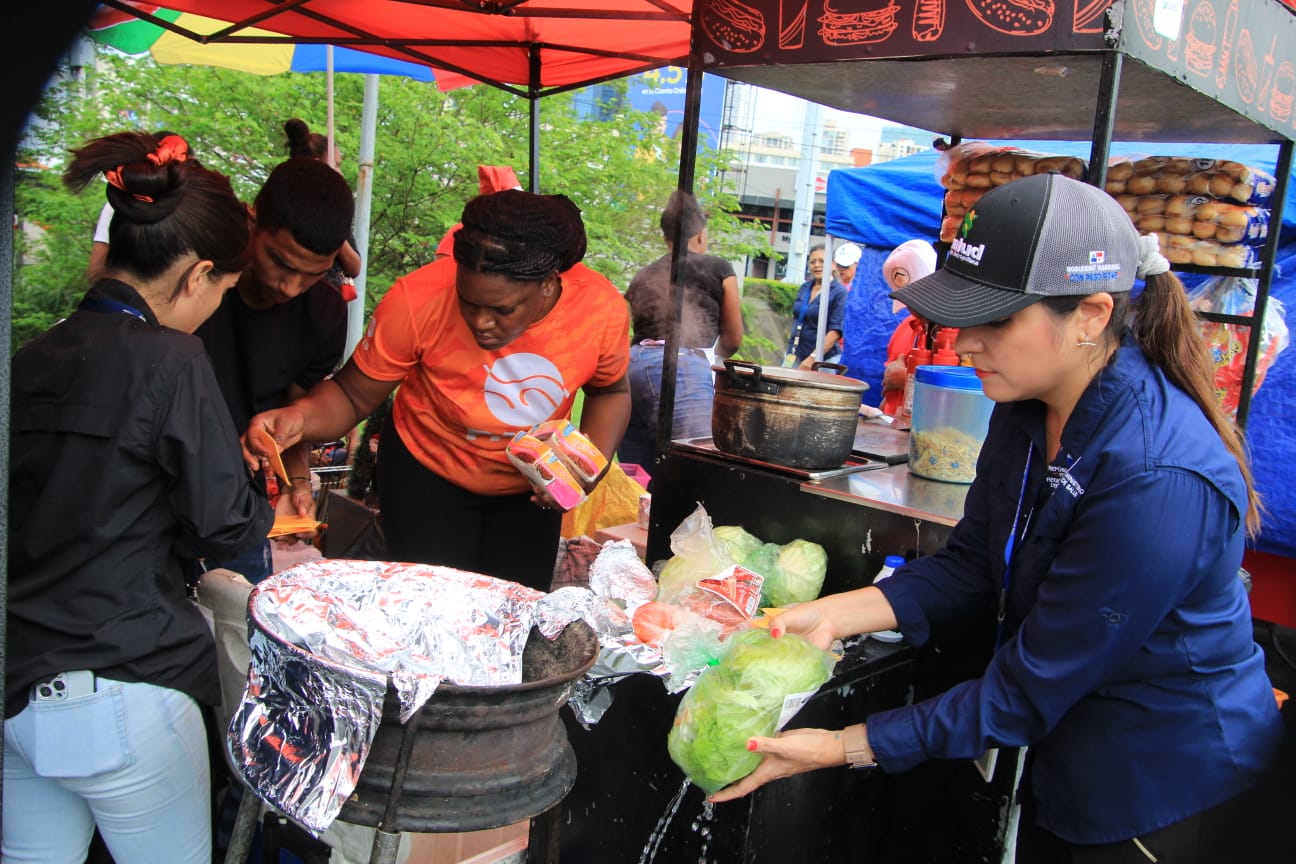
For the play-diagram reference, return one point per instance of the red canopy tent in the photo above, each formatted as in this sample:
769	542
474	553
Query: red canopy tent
529	47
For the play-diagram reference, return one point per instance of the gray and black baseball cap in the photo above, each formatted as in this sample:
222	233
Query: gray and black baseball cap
1041	236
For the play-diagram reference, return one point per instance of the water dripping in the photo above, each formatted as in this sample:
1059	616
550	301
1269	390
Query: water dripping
659	832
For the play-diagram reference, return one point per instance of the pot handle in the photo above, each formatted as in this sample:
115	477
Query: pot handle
751	380
820	366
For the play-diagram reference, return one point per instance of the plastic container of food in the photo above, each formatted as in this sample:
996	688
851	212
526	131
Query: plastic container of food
950	417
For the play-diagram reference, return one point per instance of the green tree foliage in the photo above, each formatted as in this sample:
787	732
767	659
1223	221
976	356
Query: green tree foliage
427	148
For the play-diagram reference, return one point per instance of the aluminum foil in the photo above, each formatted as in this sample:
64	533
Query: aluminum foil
328	636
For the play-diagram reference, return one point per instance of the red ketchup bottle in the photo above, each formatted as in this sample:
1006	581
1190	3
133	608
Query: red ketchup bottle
915	358
945	355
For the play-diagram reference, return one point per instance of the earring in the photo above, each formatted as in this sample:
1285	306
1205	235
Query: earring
548	292
1085	343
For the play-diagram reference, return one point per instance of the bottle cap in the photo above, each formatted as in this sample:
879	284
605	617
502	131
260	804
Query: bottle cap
894	560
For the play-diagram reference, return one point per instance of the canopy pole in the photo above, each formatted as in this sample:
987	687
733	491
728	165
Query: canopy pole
679	243
825	289
332	148
364	198
533	93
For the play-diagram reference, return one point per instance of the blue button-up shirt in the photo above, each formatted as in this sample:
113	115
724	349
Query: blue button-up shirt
1127	659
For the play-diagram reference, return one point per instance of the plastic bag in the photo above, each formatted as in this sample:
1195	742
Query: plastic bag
698	554
614	501
757	687
1234	295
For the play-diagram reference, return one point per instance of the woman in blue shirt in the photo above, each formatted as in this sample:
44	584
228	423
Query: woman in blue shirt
805	316
1105	529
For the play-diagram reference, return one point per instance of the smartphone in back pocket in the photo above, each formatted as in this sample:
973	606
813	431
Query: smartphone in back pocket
66	685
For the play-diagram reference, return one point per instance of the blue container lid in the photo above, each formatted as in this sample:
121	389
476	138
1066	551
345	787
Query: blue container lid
894	560
953	377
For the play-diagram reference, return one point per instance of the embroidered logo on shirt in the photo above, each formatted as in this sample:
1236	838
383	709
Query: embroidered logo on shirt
524	389
1061	477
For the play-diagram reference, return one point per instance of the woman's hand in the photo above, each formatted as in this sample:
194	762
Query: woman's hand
808	620
795	751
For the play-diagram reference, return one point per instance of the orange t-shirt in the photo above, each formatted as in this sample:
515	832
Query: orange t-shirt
459	404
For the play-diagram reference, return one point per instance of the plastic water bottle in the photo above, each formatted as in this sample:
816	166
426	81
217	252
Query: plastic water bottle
888	567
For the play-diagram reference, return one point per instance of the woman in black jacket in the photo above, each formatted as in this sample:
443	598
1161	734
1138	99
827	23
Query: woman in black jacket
124	461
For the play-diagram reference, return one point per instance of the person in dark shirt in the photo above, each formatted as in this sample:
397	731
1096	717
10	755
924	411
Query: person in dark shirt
124	460
283	328
711	322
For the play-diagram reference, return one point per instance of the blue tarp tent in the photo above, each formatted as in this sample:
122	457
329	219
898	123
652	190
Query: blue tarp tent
881	206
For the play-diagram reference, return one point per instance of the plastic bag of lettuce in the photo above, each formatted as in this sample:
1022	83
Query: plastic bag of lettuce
794	572
757	686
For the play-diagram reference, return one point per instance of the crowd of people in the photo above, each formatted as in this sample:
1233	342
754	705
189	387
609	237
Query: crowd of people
1143	700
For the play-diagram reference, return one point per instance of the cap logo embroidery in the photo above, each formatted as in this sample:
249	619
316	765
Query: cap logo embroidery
966	225
965	251
1097	270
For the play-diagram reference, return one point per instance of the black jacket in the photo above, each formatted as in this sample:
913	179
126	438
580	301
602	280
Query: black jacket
123	461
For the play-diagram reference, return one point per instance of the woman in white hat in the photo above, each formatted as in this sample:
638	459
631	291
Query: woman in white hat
910	261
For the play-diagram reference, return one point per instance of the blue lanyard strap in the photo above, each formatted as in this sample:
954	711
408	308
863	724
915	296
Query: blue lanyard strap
1010	545
108	305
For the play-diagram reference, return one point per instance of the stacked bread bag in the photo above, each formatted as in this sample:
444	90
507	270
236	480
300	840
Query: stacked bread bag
967	170
1207	212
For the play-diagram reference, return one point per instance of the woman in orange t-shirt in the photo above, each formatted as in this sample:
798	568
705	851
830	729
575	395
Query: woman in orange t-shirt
497	339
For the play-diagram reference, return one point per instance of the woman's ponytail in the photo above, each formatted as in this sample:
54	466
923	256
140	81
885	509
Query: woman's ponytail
1166	328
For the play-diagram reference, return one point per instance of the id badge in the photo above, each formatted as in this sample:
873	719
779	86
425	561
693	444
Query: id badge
789	360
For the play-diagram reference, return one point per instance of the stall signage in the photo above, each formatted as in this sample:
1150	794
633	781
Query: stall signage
1238	52
760	32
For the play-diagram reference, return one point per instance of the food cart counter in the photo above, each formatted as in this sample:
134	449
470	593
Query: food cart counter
939	812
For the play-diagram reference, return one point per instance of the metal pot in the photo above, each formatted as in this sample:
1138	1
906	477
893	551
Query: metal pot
791	417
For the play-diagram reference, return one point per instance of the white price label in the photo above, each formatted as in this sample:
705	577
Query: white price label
1167	18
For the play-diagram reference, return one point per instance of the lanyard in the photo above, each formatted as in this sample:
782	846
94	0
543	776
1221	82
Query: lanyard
107	304
1010	545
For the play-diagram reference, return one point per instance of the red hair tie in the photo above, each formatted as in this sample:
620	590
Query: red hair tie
172	148
114	178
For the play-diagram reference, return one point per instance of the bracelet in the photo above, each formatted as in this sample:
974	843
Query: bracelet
295	479
858	752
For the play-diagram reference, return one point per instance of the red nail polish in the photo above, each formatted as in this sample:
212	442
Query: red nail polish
751	745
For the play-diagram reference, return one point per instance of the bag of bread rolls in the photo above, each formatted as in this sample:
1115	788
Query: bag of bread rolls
1189	249
979	165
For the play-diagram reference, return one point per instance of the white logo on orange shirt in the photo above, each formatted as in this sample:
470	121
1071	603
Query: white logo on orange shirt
524	389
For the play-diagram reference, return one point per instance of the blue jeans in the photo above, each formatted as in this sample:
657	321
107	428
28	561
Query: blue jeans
252	564
130	757
694	394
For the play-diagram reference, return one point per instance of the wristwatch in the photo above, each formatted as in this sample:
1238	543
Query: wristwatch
858	752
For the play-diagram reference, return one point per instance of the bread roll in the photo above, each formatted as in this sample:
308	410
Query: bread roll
1151	204
1178	256
1179	205
1221	185
1129	202
1179	241
1114	187
979	181
1171	183
1209	211
1150	222
1236	217
1203	230
980	164
1232	256
1001	178
1024	165
1141	184
956	180
1120	171
1204	257
1182	225
1199	184
1242	190
1225	234
1073	168
1004	162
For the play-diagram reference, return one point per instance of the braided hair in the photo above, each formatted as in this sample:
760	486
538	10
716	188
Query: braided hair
164	204
520	235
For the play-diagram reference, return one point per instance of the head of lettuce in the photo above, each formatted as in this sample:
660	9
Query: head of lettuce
743	695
